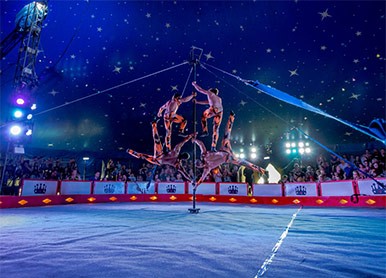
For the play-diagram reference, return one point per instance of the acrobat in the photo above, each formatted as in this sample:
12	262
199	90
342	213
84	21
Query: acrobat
172	158
169	110
212	160
215	110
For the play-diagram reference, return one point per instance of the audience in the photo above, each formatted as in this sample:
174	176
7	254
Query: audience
369	164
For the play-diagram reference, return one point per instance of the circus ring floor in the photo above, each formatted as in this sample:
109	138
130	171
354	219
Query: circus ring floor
165	240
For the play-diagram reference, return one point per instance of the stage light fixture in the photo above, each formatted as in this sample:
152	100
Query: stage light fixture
18	114
253	155
308	150
15	130
288	145
20	101
253	149
242	155
301	144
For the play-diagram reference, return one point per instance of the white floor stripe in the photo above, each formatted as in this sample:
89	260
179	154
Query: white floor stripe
269	260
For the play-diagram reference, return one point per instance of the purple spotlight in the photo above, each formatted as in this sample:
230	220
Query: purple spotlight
20	101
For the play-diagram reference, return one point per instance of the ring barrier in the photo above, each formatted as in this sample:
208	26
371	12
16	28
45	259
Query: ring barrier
361	193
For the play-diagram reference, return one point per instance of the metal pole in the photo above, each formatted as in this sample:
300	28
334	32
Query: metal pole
195	62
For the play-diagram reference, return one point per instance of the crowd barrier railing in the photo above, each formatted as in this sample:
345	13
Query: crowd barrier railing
332	193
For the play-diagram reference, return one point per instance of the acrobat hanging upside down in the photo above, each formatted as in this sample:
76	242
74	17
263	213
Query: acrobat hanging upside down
172	158
169	110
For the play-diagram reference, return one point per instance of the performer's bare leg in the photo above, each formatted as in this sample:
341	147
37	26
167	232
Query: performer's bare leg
148	158
157	140
168	136
216	126
226	141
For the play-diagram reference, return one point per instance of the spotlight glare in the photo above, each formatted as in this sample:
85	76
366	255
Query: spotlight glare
29	116
293	145
253	155
253	149
301	150
301	144
20	101
294	151
29	132
242	155
241	150
308	150
17	114
33	107
15	130
288	145
288	151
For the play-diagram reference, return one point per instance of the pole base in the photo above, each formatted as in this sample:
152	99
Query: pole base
194	210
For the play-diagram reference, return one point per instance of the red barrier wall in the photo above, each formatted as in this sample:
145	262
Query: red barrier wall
375	197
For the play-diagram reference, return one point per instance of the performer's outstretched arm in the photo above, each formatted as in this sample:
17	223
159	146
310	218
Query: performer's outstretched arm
198	88
200	144
188	98
242	162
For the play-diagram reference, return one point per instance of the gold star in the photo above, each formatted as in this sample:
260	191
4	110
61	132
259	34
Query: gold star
209	56
117	69
293	72
324	14
53	92
356	96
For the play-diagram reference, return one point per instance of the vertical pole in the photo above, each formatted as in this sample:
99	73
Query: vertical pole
194	209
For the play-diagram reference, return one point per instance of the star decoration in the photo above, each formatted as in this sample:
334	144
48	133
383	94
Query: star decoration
356	96
242	102
148	15
323	47
117	69
143	105
348	133
356	61
268	50
167	25
99	29
209	56
53	93
324	14
293	72
174	88
72	56
358	33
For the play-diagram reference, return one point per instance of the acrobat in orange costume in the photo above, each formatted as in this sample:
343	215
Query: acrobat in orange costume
212	160
215	110
169	110
172	158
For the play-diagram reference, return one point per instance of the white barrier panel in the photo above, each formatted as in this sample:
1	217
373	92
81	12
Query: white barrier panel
142	187
370	187
272	190
75	187
205	188
171	188
300	189
109	187
343	188
236	189
39	187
